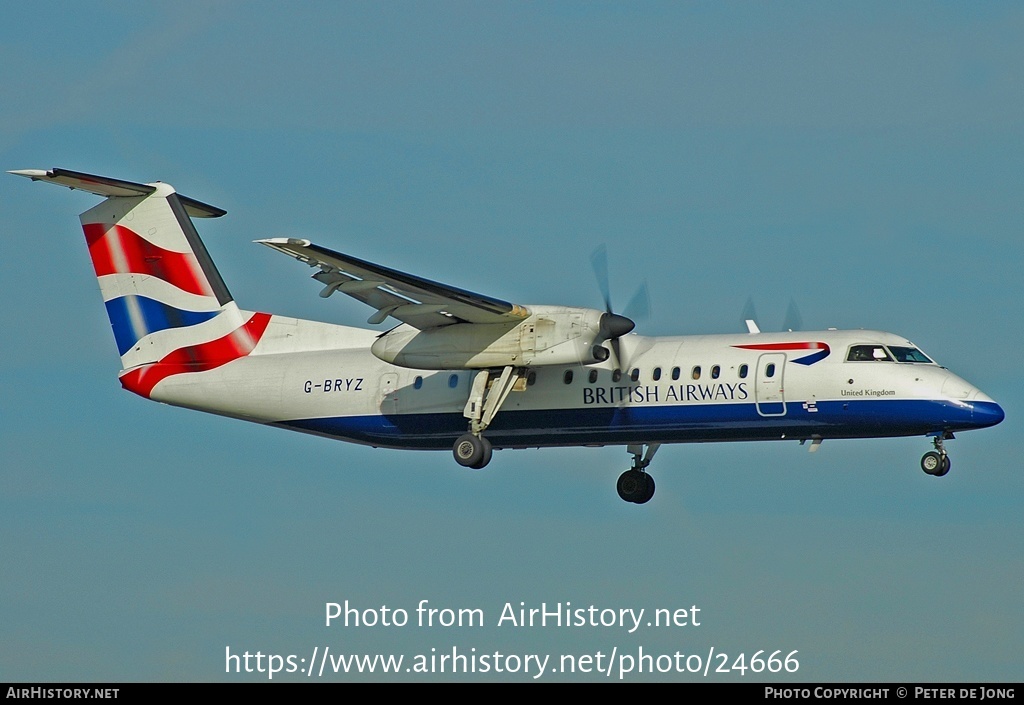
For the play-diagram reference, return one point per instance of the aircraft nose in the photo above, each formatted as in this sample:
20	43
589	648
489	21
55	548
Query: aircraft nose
987	413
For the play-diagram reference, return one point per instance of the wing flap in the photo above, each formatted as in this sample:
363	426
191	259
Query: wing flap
419	302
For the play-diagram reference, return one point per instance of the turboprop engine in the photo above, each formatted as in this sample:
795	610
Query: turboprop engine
551	335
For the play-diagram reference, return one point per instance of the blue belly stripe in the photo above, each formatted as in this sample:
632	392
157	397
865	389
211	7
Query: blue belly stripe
662	424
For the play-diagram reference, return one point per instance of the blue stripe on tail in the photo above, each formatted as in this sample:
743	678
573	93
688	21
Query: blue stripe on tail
133	317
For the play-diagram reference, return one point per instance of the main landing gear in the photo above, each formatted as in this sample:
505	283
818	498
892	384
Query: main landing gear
472	451
489	391
635	485
936	462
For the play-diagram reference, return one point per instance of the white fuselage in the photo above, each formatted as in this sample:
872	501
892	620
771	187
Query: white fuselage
323	379
470	372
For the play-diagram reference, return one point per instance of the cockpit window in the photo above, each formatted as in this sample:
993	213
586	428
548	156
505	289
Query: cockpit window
905	354
868	353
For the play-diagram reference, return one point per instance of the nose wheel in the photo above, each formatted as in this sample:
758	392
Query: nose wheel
635	485
936	462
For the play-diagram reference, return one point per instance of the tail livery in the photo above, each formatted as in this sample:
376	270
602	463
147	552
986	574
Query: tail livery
169	309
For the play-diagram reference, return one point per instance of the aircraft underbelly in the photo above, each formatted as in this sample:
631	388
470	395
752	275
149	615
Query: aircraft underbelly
339	394
661	424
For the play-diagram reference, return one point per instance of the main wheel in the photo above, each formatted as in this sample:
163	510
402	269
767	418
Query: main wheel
635	486
946	463
488	452
471	451
931	463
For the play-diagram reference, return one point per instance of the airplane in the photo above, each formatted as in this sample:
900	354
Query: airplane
473	373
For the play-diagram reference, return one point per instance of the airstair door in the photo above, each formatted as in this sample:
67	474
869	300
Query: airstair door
769	391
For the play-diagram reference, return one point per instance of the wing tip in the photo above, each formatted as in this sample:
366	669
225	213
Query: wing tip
272	241
33	174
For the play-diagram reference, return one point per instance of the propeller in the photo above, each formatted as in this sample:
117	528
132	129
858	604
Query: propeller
615	325
794	321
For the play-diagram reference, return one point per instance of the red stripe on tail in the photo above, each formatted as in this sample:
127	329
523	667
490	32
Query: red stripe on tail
116	249
198	358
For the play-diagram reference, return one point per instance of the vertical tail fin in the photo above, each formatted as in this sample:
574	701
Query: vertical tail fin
168	306
154	272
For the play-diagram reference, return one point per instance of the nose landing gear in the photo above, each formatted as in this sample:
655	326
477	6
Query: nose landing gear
635	485
936	462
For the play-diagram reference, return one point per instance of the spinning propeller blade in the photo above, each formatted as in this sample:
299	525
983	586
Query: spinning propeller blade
794	321
615	325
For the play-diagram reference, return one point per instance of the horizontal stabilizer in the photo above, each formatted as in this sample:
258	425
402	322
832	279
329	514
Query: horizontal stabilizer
112	188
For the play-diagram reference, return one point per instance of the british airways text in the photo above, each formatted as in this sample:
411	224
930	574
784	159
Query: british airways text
642	394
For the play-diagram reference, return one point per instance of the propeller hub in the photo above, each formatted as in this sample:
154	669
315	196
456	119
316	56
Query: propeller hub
614	325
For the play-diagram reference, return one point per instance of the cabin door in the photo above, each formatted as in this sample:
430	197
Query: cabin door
389	393
769	391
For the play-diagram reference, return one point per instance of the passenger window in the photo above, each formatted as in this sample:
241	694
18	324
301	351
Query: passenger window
453	381
593	376
634	374
531	379
769	370
743	371
567	377
715	372
675	373
695	373
616	375
417	383
656	375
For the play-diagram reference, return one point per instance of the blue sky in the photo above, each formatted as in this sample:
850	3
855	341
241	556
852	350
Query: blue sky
860	159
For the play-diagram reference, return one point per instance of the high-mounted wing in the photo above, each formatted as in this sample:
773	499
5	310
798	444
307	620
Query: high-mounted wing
421	303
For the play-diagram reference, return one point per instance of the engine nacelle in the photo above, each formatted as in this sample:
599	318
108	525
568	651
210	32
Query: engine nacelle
552	335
